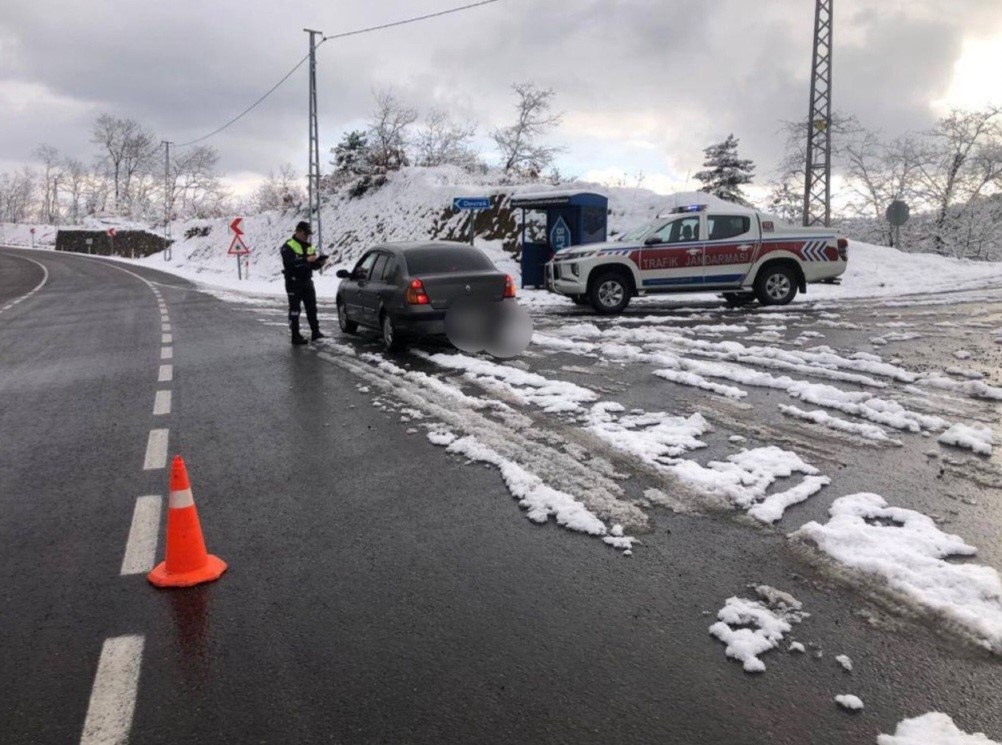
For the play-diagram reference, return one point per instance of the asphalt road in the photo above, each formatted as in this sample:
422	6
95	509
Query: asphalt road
379	590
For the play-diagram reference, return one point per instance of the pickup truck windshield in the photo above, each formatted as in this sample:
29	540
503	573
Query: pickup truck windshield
638	234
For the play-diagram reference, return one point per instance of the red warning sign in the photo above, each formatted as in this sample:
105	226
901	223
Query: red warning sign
111	232
238	247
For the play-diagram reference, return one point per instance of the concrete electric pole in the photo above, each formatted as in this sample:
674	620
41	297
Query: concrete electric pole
818	181
313	179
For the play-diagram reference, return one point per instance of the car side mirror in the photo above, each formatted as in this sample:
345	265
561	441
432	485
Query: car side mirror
343	274
652	240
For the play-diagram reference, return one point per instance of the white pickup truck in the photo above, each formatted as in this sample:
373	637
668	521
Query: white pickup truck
745	255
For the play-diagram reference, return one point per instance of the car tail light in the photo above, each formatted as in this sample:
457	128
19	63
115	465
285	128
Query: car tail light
416	294
843	249
509	286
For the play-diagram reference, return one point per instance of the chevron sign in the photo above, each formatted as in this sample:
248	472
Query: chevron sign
814	251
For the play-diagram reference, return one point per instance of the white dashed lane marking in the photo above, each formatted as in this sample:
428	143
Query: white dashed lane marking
141	548
166	353
156	450
166	374
166	339
161	404
113	697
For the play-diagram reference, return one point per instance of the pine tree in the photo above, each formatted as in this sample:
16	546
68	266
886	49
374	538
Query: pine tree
726	172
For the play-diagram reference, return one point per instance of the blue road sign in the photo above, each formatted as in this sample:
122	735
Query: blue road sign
471	203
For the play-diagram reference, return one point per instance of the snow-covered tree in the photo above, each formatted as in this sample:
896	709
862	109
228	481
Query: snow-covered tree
518	143
17	195
280	191
388	136
725	172
443	141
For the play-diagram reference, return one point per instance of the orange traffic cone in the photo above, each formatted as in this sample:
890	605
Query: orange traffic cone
187	561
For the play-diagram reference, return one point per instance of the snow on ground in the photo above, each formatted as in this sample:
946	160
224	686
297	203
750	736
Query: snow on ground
908	550
751	628
823	418
978	439
745	479
934	728
845	662
850	702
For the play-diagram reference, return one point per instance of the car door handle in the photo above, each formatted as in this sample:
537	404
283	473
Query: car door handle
695	251
746	247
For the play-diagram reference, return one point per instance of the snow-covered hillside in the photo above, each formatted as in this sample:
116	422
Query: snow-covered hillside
416	204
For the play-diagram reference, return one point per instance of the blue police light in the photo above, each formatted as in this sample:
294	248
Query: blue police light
692	208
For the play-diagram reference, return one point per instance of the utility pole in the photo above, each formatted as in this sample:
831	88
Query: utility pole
818	180
167	200
313	179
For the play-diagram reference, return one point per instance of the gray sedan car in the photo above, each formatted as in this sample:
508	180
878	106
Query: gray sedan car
404	290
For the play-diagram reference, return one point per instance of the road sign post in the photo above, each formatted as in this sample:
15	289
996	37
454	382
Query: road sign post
111	237
473	205
237	246
898	213
32	231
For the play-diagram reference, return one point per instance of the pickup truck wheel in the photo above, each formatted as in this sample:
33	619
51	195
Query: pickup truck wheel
609	293
776	284
739	299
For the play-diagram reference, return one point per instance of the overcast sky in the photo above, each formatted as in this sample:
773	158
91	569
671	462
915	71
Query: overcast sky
645	85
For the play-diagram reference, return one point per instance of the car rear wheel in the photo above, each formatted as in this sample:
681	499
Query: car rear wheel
776	285
610	293
393	340
739	299
347	325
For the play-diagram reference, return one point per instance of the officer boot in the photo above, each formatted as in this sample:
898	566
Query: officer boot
297	338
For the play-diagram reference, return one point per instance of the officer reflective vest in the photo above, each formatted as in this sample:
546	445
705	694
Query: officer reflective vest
297	247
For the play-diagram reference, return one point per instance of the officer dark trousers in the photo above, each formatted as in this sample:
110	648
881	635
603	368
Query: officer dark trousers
302	293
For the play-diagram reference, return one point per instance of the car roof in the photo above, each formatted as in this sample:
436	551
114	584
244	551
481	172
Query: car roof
405	246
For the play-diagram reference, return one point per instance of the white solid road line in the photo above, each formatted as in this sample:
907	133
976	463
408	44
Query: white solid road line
166	374
166	353
36	288
113	697
156	450
141	548
161	403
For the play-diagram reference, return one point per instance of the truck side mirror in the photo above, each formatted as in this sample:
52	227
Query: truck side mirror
652	240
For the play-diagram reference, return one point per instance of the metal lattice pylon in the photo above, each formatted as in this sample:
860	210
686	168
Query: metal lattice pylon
818	181
313	179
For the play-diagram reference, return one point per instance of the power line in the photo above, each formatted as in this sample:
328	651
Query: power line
299	64
411	20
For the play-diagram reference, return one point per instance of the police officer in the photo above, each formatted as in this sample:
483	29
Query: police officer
299	261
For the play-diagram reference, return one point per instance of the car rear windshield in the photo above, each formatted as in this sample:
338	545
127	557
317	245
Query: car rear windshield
445	260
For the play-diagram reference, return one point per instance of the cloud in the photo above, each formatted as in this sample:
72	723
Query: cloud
643	86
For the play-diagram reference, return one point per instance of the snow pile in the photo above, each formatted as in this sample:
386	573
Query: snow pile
978	439
823	418
908	550
553	396
862	404
845	661
850	702
654	438
933	728
540	501
745	479
750	628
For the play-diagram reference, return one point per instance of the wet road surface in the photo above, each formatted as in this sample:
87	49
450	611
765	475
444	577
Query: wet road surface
382	590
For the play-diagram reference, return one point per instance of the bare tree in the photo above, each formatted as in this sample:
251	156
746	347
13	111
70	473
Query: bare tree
961	163
445	142
387	136
76	180
17	195
192	179
129	152
52	174
280	191
518	143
